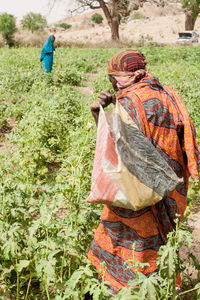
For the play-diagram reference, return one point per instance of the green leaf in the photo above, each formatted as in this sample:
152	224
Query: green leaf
198	290
126	294
71	293
34	228
148	289
167	260
10	249
96	293
195	261
44	267
74	279
22	264
60	298
184	235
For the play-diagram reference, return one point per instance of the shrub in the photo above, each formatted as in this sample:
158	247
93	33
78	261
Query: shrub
138	16
97	18
46	129
70	76
7	27
64	25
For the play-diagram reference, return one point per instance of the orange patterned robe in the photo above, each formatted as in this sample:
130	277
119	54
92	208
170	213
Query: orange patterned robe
161	115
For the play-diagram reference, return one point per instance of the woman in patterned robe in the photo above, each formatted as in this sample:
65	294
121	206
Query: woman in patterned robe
162	116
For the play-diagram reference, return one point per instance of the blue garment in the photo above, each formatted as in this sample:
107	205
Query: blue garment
46	56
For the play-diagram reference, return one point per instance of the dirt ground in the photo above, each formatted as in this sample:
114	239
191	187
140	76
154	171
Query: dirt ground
158	25
194	223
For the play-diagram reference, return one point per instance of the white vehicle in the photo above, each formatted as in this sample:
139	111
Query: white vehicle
187	37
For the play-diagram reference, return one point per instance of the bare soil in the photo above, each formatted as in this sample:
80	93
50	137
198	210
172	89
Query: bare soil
194	224
5	129
159	25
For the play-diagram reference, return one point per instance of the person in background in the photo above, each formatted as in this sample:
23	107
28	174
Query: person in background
162	116
46	56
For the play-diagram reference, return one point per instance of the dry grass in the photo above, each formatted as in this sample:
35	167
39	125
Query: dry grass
152	29
28	39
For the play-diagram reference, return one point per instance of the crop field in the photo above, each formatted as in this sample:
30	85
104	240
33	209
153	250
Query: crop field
47	142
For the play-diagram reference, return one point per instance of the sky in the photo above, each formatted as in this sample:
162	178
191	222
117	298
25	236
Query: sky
19	8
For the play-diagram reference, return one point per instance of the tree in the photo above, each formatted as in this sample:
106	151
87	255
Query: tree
33	22
7	27
111	11
192	10
114	10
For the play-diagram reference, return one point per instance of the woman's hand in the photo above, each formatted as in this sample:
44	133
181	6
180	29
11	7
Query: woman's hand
104	99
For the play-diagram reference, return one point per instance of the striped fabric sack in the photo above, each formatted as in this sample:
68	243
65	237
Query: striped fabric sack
127	172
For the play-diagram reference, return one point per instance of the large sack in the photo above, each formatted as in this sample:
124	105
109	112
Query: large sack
128	171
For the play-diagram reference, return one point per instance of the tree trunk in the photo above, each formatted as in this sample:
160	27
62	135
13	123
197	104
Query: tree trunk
112	18
115	21
190	20
114	26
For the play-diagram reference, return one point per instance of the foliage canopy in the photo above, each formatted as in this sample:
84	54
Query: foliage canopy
97	18
192	10
7	27
33	22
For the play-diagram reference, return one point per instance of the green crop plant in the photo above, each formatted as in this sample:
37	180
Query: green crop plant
46	226
162	284
7	28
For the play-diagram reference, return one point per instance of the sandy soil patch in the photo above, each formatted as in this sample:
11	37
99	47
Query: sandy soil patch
159	25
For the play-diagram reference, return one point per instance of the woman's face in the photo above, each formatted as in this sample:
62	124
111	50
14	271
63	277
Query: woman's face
114	82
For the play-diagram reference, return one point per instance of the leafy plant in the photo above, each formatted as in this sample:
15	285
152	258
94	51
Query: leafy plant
97	18
163	283
45	225
138	16
33	22
7	27
64	25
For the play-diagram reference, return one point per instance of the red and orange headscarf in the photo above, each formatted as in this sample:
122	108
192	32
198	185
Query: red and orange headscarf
127	67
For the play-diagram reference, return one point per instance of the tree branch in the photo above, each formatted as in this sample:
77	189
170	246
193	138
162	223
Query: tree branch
89	3
106	11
